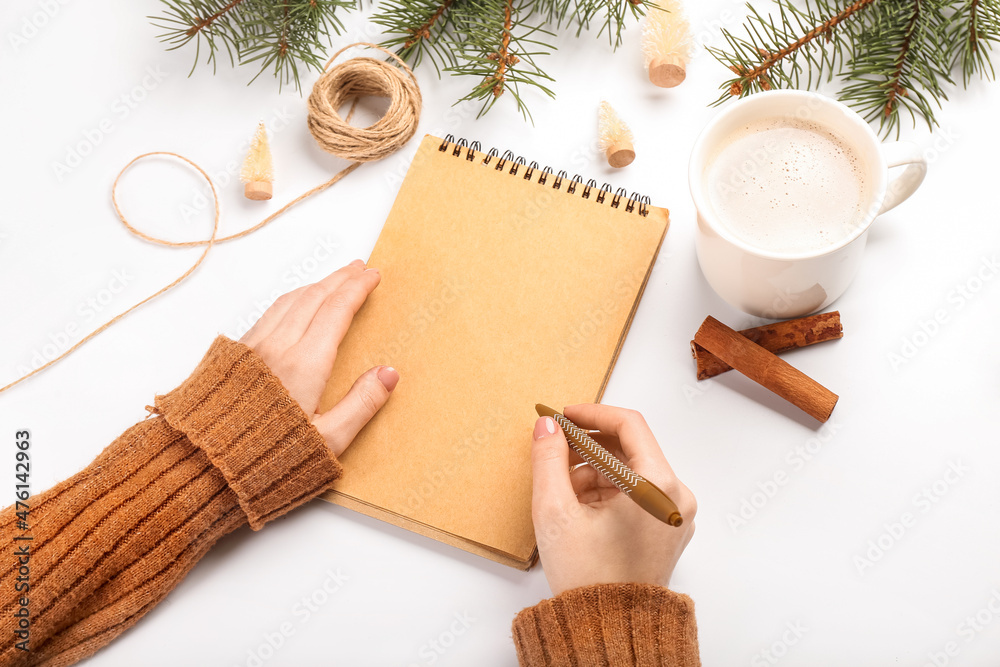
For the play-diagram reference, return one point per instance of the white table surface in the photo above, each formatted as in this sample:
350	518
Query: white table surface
896	432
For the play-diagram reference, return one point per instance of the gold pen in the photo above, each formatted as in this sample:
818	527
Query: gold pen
645	494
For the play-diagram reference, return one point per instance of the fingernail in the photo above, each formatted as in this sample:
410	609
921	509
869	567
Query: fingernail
544	427
371	270
358	262
388	376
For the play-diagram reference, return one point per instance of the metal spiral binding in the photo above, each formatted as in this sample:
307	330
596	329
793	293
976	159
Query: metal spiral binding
634	202
530	170
617	199
606	188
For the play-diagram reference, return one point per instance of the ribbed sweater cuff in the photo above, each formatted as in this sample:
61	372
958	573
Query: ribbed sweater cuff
236	410
609	624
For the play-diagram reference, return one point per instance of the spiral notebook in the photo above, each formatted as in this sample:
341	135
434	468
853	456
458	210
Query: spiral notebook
503	285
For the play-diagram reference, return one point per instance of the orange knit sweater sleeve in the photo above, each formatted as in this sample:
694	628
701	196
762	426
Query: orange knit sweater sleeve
609	625
228	447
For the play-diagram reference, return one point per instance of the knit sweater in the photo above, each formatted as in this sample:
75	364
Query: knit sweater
230	447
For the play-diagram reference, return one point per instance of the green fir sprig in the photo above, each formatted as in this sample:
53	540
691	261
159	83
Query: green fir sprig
419	29
975	26
496	46
900	62
275	36
499	43
889	55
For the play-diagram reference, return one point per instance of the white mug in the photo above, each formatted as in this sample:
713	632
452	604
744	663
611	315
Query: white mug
782	285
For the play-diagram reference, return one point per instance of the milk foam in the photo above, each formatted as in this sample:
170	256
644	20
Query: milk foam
787	185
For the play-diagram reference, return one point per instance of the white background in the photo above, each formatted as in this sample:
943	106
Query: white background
896	431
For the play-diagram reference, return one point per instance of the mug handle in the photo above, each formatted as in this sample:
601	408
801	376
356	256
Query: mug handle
899	189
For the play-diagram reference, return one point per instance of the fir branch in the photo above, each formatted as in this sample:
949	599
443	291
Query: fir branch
976	23
554	11
755	60
491	40
973	36
894	56
203	21
504	58
895	86
900	63
418	28
493	45
280	35
424	31
615	14
209	20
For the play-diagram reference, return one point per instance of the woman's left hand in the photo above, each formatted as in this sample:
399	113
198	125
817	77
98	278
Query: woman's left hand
298	337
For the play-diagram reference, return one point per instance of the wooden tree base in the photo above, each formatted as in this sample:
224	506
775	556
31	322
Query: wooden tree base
667	72
620	155
257	190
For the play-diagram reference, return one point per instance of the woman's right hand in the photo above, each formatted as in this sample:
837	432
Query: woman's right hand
588	532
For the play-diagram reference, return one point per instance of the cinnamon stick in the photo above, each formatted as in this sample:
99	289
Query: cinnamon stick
766	369
778	337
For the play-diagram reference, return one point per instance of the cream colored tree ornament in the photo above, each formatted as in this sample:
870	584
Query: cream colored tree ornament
666	44
615	138
258	171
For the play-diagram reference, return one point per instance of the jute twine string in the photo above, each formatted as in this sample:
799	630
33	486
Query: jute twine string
350	80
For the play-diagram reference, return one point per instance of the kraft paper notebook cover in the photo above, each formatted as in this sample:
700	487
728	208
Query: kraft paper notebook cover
503	285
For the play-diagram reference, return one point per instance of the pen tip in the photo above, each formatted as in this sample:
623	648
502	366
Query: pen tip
675	520
544	410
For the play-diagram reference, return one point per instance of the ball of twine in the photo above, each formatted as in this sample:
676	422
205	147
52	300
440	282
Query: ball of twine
352	80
